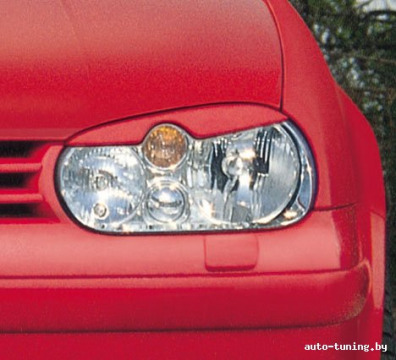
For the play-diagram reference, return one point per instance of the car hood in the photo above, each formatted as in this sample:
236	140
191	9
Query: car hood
70	65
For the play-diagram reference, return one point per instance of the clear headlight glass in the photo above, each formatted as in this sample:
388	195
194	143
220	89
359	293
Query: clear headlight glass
172	182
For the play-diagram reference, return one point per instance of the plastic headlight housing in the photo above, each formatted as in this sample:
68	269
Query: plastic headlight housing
258	178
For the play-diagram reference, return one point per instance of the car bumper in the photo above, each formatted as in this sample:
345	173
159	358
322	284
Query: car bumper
78	294
189	303
281	343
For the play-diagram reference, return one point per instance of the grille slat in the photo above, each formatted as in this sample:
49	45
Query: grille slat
18	165
20	168
13	196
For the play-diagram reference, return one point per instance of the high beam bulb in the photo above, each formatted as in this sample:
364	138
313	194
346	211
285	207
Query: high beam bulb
166	202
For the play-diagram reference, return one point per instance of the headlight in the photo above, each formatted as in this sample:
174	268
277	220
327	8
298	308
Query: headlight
257	178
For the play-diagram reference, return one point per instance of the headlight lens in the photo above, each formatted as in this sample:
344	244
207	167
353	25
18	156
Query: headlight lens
257	178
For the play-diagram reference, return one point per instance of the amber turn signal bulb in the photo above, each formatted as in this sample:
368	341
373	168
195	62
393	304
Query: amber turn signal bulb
165	146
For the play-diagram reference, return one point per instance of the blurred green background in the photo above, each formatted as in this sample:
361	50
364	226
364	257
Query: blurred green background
358	40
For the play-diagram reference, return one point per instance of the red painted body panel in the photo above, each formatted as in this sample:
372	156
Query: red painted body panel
310	98
69	65
324	241
277	344
233	301
101	72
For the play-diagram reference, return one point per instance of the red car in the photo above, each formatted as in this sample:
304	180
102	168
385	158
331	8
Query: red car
183	180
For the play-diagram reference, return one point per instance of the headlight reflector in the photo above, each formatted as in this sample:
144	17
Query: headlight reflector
257	178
